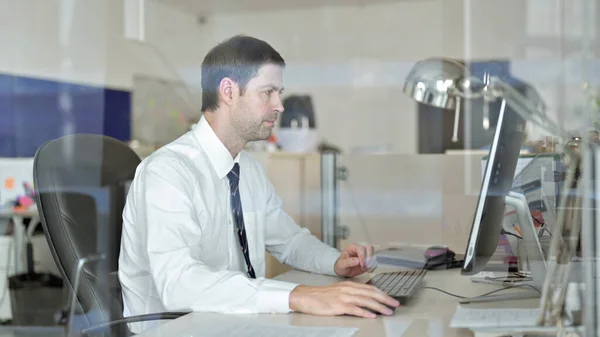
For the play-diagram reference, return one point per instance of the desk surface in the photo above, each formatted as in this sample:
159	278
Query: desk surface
427	314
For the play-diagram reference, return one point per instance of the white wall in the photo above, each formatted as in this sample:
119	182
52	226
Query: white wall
83	41
351	59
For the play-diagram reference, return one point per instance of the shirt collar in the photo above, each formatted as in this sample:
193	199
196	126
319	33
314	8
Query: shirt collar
217	153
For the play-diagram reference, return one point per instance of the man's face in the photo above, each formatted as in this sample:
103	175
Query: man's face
255	112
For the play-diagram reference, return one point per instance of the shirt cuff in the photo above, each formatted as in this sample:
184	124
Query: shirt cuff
274	296
328	261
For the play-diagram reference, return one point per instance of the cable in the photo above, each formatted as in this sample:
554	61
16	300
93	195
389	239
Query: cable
486	294
509	233
358	213
443	291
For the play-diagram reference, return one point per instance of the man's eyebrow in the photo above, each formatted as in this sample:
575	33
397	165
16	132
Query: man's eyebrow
270	86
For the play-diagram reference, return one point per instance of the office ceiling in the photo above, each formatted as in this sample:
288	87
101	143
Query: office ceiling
207	7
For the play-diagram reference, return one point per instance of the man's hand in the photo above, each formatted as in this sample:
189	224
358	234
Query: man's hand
345	298
354	260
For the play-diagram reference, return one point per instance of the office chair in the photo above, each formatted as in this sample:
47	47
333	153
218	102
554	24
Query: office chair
81	182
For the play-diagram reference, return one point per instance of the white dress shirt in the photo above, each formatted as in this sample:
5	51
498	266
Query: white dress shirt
179	250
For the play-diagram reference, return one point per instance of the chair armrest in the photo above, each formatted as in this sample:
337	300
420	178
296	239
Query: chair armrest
133	319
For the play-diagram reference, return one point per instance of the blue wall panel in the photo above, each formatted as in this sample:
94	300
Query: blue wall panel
118	105
7	145
34	111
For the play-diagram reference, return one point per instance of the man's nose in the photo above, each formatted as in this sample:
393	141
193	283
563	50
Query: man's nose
278	105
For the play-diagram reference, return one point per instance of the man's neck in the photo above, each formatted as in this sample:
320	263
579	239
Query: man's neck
225	133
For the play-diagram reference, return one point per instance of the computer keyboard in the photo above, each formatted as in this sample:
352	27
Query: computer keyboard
399	285
494	318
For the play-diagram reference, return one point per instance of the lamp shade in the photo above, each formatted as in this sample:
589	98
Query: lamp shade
442	82
437	82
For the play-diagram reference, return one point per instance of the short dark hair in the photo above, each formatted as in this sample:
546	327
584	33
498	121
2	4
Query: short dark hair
238	58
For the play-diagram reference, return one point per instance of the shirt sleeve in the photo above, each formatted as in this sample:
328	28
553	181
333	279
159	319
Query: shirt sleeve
182	279
291	244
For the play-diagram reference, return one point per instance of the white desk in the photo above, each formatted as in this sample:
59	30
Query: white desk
427	314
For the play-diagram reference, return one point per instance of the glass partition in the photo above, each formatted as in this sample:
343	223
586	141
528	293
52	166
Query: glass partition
384	201
408	94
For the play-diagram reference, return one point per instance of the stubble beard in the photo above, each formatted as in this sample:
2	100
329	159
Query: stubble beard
248	129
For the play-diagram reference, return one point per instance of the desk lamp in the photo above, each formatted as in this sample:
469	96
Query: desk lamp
443	82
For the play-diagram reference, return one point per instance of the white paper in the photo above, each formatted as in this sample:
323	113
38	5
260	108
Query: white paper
494	317
272	330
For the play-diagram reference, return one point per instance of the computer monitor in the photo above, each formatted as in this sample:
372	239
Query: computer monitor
496	185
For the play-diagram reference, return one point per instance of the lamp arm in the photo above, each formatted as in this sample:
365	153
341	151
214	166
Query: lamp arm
456	120
524	107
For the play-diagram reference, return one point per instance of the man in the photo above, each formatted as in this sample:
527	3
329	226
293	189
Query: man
201	212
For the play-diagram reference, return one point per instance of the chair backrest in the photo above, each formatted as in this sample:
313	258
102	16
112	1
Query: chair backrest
81	181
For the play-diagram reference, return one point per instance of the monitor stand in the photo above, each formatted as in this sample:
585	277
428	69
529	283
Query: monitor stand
530	254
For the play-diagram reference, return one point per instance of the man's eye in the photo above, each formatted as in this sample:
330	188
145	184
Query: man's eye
269	92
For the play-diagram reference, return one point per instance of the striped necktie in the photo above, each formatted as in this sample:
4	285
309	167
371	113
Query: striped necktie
238	215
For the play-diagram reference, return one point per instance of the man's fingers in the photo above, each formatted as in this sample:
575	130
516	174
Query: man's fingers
373	292
362	287
371	262
369	303
349	262
370	251
386	299
361	251
359	312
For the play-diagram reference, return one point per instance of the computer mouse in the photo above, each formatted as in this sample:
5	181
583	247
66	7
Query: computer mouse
439	252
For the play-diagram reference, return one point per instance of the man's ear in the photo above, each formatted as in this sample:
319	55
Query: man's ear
227	90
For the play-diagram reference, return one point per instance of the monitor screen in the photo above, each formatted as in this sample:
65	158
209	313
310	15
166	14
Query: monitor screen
497	182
